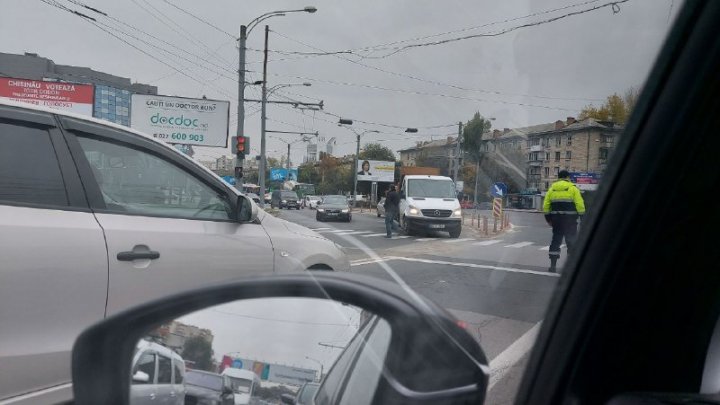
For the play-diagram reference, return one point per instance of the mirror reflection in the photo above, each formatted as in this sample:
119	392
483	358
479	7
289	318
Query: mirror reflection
258	351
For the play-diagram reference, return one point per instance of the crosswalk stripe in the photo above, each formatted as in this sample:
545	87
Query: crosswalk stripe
546	248
458	240
401	237
319	229
519	245
374	234
336	230
488	242
424	239
351	233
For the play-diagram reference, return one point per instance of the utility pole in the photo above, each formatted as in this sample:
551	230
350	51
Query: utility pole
287	162
457	152
240	103
263	159
357	156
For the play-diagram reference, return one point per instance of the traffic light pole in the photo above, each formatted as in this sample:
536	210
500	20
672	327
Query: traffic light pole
239	159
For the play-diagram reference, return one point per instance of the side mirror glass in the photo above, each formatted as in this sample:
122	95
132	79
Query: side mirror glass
269	336
247	210
141	376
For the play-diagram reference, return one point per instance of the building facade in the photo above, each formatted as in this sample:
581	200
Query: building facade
111	95
441	154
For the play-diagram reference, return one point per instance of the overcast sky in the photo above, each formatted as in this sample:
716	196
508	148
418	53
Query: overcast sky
528	76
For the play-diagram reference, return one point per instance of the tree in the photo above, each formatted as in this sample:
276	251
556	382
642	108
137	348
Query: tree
616	109
471	142
199	351
375	151
307	173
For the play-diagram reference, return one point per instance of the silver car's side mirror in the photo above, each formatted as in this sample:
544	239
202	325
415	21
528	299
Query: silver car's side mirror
141	376
247	210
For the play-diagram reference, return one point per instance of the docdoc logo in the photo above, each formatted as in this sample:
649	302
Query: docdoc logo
180	121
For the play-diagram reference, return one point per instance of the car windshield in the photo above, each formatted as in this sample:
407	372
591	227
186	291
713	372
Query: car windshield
335	200
241	384
431	188
130	130
209	381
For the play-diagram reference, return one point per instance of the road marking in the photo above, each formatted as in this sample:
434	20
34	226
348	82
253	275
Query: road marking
503	362
488	242
401	237
374	234
425	239
458	240
519	245
351	233
320	229
546	248
473	265
336	231
362	262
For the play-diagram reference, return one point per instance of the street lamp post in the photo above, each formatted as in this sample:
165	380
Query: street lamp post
319	363
242	48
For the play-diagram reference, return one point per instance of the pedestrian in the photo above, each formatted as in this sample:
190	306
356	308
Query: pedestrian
563	206
392	206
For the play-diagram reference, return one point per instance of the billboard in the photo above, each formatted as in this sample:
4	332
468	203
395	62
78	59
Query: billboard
585	181
282	174
290	375
73	97
376	170
182	120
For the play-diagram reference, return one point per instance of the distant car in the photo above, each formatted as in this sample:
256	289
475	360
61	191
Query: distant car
311	201
285	199
157	375
204	387
333	207
254	197
268	198
381	207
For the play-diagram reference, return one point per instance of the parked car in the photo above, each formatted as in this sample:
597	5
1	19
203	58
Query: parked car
333	207
106	218
381	208
245	384
158	375
304	396
285	199
204	387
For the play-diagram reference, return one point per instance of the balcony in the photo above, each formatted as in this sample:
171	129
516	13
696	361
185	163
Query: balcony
536	148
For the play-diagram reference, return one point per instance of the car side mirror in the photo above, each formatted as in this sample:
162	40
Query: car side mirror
287	399
247	210
141	376
418	353
227	391
319	203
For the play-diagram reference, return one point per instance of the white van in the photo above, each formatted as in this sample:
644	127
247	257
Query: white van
157	375
244	383
429	203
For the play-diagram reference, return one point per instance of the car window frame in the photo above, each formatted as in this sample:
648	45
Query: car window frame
72	128
74	191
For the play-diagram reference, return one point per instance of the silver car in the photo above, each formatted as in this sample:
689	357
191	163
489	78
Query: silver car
102	218
158	375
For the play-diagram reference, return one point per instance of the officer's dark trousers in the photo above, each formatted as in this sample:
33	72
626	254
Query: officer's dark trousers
564	226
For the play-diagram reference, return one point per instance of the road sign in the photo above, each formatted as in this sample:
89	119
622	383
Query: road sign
459	186
497	207
498	189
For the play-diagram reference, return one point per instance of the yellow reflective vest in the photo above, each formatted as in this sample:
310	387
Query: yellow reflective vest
563	197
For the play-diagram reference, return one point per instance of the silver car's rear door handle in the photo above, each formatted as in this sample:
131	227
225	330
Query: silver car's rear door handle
130	256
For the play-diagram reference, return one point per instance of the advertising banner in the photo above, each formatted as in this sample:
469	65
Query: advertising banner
585	181
182	120
290	375
376	170
73	97
282	174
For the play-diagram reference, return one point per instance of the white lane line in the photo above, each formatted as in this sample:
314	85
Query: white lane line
336	231
458	240
473	265
401	237
425	239
366	261
519	245
320	229
374	234
351	232
488	242
546	248
503	362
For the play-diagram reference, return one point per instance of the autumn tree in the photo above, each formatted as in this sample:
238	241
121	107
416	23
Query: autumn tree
375	151
471	142
200	352
615	108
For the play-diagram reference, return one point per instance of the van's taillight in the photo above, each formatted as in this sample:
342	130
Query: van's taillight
461	324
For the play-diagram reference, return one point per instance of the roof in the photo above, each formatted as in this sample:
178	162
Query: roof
440	143
524	132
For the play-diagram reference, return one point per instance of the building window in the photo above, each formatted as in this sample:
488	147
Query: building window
604	153
568	154
607	138
556	171
569	140
547	155
535	141
547	172
557	156
547	185
558	141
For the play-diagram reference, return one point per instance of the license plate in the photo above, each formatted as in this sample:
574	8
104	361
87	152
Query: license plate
332	214
437	226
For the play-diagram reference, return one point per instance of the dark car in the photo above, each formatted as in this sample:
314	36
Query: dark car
304	396
204	387
285	199
333	207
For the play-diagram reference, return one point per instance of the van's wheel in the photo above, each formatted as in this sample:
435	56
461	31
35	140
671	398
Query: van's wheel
378	214
405	226
455	233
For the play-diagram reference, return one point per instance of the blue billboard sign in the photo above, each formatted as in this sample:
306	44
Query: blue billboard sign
283	174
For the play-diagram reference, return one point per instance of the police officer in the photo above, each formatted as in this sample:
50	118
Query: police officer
562	206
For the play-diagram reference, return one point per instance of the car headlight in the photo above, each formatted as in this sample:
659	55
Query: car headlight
284	201
321	210
413	211
457	213
345	211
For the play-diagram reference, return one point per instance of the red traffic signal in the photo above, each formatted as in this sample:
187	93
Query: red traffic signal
242	145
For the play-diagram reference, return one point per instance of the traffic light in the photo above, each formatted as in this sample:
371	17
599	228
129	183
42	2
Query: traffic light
241	144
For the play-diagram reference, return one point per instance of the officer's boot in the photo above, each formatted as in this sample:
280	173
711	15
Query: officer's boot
553	263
